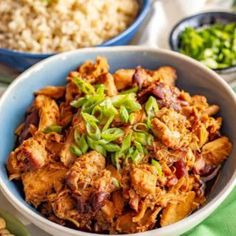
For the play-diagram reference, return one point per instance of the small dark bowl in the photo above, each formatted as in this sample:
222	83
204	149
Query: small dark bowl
197	21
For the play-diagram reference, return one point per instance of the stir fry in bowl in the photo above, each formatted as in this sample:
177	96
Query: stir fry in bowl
117	153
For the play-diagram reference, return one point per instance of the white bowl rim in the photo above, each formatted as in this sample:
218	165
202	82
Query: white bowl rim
196	216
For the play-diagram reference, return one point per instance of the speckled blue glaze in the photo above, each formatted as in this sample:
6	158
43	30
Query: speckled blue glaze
192	77
20	61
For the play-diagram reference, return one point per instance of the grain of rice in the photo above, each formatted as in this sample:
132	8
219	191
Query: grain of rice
62	25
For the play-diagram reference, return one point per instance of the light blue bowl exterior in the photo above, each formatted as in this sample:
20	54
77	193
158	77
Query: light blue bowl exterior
20	61
192	77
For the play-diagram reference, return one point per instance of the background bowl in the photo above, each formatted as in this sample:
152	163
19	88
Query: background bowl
20	60
197	21
54	70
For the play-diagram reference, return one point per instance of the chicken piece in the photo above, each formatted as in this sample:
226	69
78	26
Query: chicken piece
84	169
66	156
165	74
199	103
91	71
148	220
72	91
48	111
79	123
141	77
52	92
171	128
66	114
118	201
123	78
215	152
32	119
65	207
54	145
212	110
178	210
125	224
30	155
143	179
40	183
108	81
108	210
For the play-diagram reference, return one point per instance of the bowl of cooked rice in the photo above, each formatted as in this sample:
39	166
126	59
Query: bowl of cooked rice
34	30
122	140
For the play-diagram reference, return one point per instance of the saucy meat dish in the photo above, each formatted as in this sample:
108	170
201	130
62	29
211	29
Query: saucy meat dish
120	152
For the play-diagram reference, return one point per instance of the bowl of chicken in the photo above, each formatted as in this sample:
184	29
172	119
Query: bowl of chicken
124	140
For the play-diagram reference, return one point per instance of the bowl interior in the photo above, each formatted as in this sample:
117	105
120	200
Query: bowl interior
192	77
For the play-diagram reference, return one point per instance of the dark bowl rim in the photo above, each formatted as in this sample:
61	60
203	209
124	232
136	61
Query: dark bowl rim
138	20
226	70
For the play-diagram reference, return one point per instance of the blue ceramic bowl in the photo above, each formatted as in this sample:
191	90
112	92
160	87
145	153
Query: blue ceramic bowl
200	20
20	60
192	77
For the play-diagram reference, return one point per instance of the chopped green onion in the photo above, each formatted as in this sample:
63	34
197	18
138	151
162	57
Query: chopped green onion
126	142
132	118
112	134
157	166
89	118
140	127
118	100
124	114
83	144
75	150
109	121
93	144
139	146
110	147
102	142
100	89
83	85
93	131
77	137
78	103
115	159
53	128
150	140
132	90
115	182
149	123
151	107
141	137
136	157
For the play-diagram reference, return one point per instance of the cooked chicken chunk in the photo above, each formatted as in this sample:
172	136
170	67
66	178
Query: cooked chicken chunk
66	156
84	169
52	92
123	78
91	71
64	207
178	210
48	111
216	152
108	81
165	74
144	178
171	128
30	155
40	183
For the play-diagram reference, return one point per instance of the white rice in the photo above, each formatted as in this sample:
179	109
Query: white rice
62	25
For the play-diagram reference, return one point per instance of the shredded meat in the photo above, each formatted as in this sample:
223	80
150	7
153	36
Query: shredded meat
118	152
40	183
